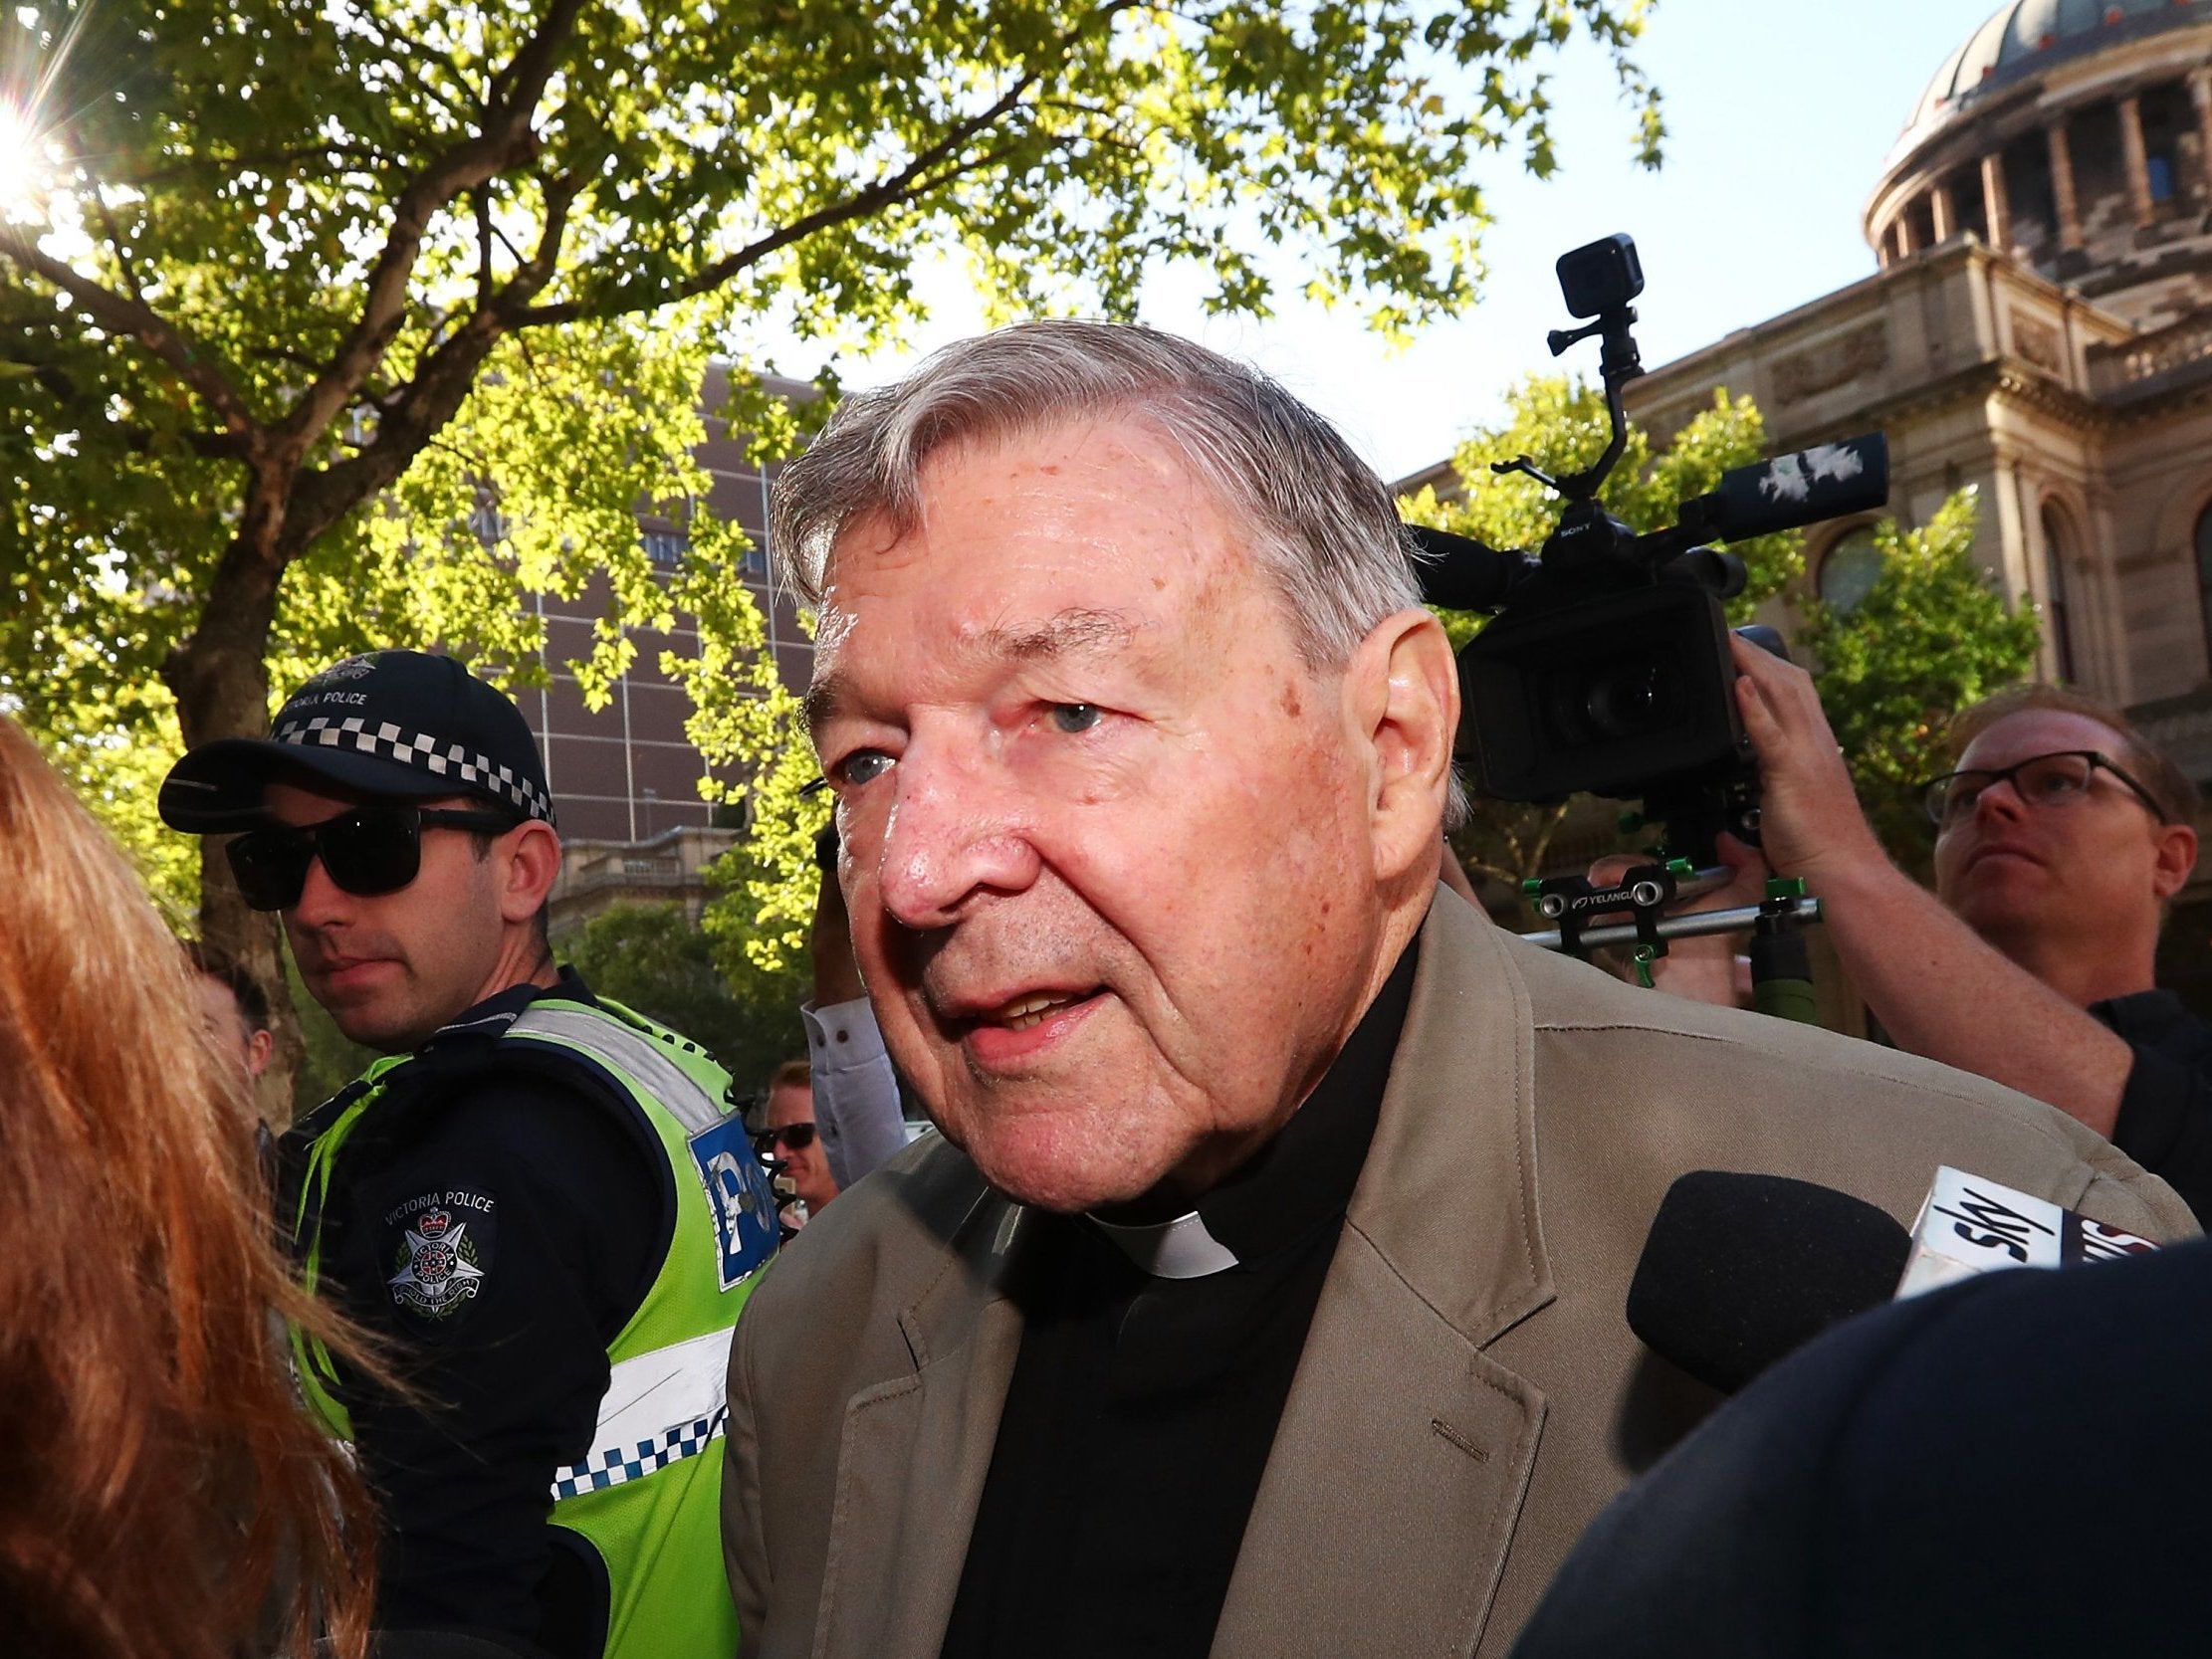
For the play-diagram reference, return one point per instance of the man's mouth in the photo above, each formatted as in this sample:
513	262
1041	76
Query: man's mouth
338	968
1031	1009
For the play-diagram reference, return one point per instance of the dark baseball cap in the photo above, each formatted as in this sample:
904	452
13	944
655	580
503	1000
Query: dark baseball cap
403	723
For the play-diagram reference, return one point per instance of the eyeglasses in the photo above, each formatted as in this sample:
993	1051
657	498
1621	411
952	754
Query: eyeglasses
372	850
2040	780
795	1137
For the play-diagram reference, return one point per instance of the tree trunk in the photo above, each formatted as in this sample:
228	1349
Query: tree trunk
219	676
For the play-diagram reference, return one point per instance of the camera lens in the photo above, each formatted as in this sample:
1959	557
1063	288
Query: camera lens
1629	701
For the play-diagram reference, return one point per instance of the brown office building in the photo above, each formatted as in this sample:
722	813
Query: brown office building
625	777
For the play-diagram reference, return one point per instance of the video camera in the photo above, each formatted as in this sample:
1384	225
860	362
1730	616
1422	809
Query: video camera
1605	668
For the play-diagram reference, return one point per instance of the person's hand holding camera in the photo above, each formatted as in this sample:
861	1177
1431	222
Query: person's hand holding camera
1810	824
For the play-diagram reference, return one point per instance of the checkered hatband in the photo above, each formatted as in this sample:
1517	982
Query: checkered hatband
464	767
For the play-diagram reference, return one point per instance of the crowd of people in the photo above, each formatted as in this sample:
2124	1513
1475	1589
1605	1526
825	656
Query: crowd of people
1262	1290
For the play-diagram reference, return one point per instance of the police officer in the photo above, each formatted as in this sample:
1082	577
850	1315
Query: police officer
535	1196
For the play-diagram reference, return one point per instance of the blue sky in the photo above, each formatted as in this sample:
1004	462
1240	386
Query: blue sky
1779	114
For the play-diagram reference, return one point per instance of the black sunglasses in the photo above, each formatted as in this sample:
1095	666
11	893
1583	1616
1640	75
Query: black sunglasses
796	1137
370	850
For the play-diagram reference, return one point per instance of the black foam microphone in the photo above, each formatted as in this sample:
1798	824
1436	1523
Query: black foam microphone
1740	1270
1794	490
1464	575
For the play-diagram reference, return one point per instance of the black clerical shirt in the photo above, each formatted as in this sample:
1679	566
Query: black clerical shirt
1142	1409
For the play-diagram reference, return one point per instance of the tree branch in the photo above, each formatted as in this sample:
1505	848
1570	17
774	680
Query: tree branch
507	138
915	180
230	166
114	241
135	321
406	422
400	46
907	184
212	445
483	249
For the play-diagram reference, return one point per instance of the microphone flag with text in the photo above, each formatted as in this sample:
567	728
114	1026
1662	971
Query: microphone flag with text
1740	1270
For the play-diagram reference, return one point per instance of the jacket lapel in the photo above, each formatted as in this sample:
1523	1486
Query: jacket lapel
1403	1450
916	1451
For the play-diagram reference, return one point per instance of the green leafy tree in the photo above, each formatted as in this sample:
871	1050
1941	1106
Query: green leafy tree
1931	637
763	908
348	324
652	958
1562	423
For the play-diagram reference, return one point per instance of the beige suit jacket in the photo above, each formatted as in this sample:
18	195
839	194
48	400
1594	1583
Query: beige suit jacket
1469	1394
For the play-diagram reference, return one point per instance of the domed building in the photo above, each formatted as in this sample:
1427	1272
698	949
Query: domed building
2038	325
2075	135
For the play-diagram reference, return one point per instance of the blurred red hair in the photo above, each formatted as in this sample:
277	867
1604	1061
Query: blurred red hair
161	1493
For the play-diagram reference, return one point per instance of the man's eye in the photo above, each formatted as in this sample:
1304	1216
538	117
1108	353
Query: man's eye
1073	718
863	766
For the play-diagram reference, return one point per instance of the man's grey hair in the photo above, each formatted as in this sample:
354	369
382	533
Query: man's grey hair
1317	517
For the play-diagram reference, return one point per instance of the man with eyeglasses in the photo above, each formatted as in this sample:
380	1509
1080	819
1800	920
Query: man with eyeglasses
2060	836
541	1200
789	1137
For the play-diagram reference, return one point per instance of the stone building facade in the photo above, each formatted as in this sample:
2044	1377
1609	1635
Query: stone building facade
2038	324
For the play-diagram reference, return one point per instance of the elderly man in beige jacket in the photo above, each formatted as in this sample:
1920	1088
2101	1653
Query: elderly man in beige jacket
1262	1295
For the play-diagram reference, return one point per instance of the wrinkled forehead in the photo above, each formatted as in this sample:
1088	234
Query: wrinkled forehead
2032	731
1079	536
1115	463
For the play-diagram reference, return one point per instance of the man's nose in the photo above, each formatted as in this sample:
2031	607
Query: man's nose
2000	801
321	901
955	831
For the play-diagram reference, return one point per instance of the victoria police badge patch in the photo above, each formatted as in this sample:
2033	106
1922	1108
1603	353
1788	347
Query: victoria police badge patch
738	1194
440	1266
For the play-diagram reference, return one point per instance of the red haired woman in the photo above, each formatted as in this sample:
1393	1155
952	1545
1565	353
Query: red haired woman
161	1494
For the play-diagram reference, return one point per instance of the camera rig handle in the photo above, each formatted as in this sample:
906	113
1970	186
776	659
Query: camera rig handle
1780	971
1644	892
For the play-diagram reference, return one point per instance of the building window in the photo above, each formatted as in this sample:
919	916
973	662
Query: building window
2169	121
757	555
666	547
2204	572
1850	569
488	524
2055	617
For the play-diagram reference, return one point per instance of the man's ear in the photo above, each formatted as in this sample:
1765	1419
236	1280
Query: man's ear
1406	696
531	862
2177	857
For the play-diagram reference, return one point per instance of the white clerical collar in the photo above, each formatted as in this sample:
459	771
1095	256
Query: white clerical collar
1178	1249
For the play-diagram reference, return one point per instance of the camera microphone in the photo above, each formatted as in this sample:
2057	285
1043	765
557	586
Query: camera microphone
1792	490
1464	575
1741	1270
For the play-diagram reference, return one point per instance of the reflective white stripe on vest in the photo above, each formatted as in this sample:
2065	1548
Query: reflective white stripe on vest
658	1408
605	1038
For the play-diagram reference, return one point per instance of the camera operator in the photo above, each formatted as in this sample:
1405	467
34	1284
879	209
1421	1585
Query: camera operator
2061	838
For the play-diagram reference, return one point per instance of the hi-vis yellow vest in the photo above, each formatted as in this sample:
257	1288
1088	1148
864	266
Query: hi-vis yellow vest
647	1497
